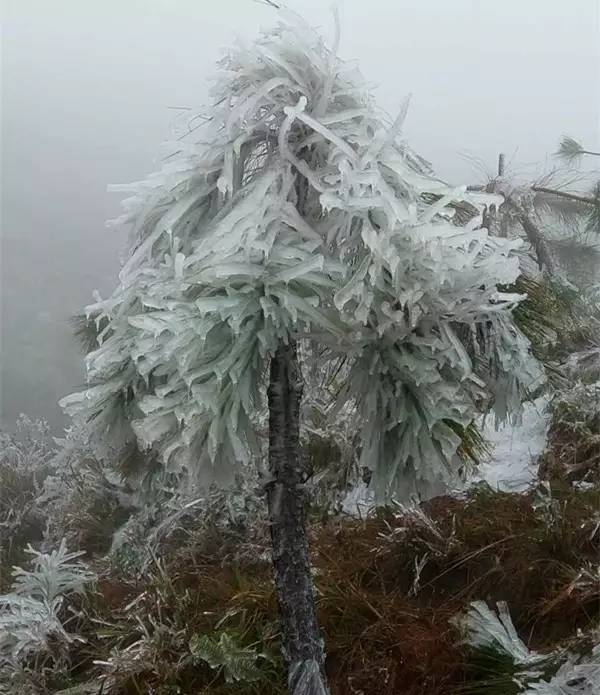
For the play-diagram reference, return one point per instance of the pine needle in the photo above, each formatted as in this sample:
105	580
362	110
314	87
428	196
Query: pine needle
569	149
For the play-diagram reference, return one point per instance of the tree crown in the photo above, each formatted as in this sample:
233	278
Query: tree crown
299	211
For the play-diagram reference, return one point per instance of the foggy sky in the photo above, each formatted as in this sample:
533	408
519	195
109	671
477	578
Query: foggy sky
85	91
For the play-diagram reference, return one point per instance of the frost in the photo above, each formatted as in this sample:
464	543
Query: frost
515	448
305	678
577	676
572	674
300	212
238	663
53	574
484	628
29	615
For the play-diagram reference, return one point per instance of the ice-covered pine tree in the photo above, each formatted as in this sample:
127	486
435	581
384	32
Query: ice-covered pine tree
297	212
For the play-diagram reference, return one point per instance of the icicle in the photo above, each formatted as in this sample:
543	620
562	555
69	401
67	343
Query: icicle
358	260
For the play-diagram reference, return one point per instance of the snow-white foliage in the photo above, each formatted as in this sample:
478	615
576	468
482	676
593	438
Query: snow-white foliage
235	512
573	675
78	484
414	517
25	462
30	447
53	574
511	465
484	628
29	615
577	676
298	211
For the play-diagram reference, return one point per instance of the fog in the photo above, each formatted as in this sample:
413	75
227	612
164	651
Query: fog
86	91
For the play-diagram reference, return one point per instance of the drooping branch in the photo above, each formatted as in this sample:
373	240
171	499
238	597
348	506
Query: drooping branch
571	150
518	206
565	194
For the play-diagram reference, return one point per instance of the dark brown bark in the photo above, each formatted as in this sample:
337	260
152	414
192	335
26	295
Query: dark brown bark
302	643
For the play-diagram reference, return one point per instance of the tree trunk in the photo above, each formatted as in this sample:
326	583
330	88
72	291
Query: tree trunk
302	644
501	165
538	242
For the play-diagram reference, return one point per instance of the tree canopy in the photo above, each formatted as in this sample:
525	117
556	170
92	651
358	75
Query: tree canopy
295	209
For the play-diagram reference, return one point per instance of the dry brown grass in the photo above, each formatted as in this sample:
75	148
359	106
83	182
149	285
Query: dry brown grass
387	626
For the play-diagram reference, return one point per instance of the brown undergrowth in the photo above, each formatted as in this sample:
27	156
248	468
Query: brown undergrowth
387	588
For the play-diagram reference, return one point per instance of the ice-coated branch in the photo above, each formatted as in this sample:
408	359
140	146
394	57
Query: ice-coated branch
374	262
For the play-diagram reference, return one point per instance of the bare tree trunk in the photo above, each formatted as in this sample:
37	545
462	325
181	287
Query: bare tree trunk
302	643
501	164
493	220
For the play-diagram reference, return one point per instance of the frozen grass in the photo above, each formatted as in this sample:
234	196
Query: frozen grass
573	452
185	603
202	618
25	459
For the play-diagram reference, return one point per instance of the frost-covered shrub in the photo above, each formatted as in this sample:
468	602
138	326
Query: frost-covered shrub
84	500
25	458
143	653
573	442
577	676
183	520
32	632
237	662
506	665
485	628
